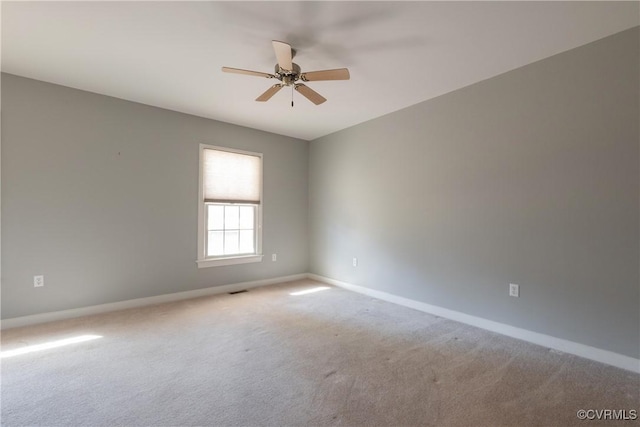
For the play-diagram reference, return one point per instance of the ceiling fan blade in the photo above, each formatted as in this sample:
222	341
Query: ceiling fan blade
283	54
314	76
247	72
269	93
310	94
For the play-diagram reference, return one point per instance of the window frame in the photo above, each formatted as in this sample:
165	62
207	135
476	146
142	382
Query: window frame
203	260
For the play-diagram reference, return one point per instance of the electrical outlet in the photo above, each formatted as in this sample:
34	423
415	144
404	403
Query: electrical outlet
355	262
514	290
274	257
38	281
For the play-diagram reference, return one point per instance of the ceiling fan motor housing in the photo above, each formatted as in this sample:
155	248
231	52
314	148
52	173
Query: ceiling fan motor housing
288	77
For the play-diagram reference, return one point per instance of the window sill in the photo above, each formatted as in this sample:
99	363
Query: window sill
218	262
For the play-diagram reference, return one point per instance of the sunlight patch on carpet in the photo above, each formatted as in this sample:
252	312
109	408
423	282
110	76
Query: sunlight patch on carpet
48	345
310	291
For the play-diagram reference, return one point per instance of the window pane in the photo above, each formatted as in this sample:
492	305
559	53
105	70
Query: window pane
246	217
231	242
216	217
231	217
215	243
246	242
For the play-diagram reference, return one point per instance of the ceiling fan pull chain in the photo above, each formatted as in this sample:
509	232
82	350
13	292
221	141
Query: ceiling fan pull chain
291	96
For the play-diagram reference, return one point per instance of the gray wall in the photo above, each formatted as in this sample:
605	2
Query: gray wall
530	177
100	196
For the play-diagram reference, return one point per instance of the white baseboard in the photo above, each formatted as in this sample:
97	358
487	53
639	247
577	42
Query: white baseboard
582	350
139	302
588	352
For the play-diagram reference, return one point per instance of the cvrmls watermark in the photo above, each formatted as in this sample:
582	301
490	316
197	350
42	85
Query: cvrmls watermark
607	414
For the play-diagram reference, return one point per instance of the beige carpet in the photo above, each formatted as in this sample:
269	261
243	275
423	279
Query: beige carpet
267	358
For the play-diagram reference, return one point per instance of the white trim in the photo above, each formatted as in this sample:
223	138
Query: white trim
200	225
217	262
582	350
140	302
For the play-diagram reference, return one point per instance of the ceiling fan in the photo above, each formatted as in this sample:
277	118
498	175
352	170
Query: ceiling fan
289	73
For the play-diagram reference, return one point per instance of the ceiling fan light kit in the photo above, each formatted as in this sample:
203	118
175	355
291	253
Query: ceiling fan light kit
289	73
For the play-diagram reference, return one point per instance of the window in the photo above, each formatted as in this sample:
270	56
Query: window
230	202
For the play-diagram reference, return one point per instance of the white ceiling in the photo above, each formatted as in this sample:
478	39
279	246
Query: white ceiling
169	54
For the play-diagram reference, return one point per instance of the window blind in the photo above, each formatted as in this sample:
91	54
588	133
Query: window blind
231	177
